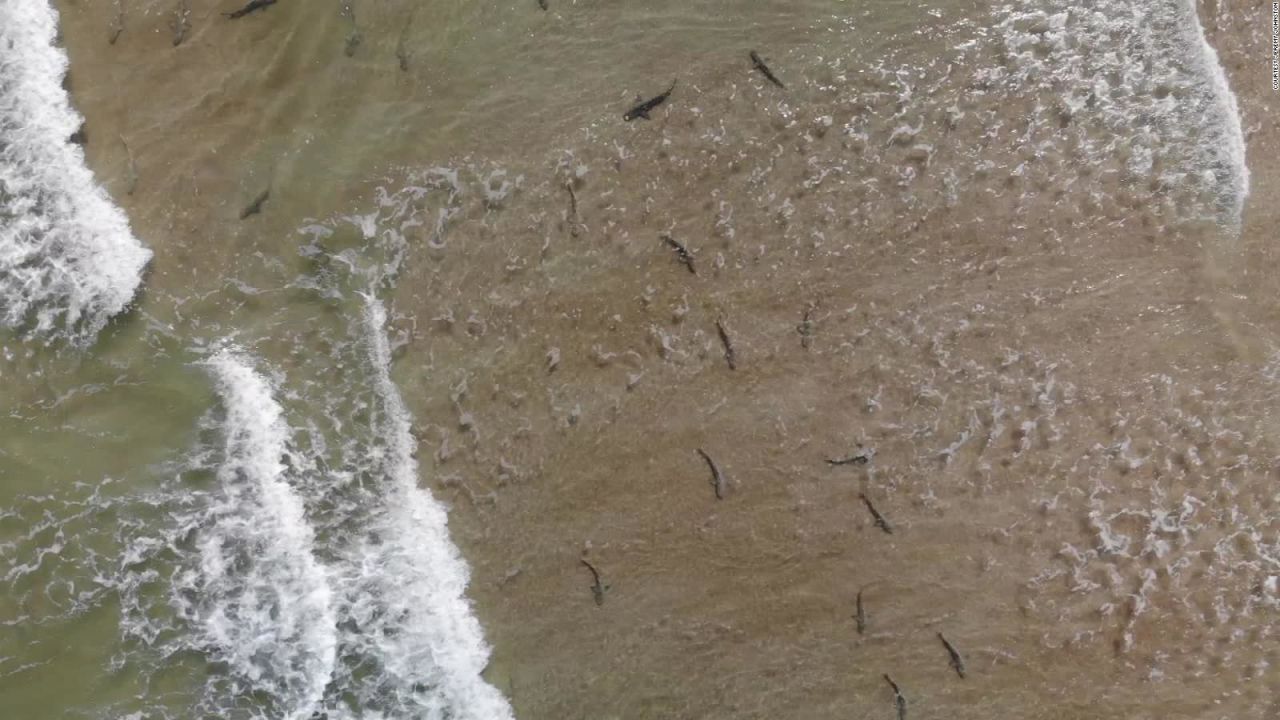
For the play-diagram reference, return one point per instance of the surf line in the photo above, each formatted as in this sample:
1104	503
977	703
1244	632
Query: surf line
68	258
1227	109
427	568
273	624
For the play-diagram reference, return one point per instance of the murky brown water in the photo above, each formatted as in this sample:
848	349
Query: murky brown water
979	246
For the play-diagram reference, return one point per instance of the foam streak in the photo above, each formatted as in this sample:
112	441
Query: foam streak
263	602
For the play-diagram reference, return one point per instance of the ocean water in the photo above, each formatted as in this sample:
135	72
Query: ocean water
69	259
351	330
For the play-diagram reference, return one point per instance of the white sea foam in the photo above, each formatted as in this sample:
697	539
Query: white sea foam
1142	77
306	571
68	260
405	583
1223	144
260	599
409	645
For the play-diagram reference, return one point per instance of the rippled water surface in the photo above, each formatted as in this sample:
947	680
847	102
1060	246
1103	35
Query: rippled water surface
350	329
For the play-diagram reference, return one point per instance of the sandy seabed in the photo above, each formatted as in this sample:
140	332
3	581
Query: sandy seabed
1066	403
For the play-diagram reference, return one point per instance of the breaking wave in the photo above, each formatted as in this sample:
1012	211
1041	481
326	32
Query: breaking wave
405	582
1141	79
259	598
68	260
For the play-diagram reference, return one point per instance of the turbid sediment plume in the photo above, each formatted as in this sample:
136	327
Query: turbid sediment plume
1035	296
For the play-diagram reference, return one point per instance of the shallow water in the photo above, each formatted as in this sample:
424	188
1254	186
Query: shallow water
1008	251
